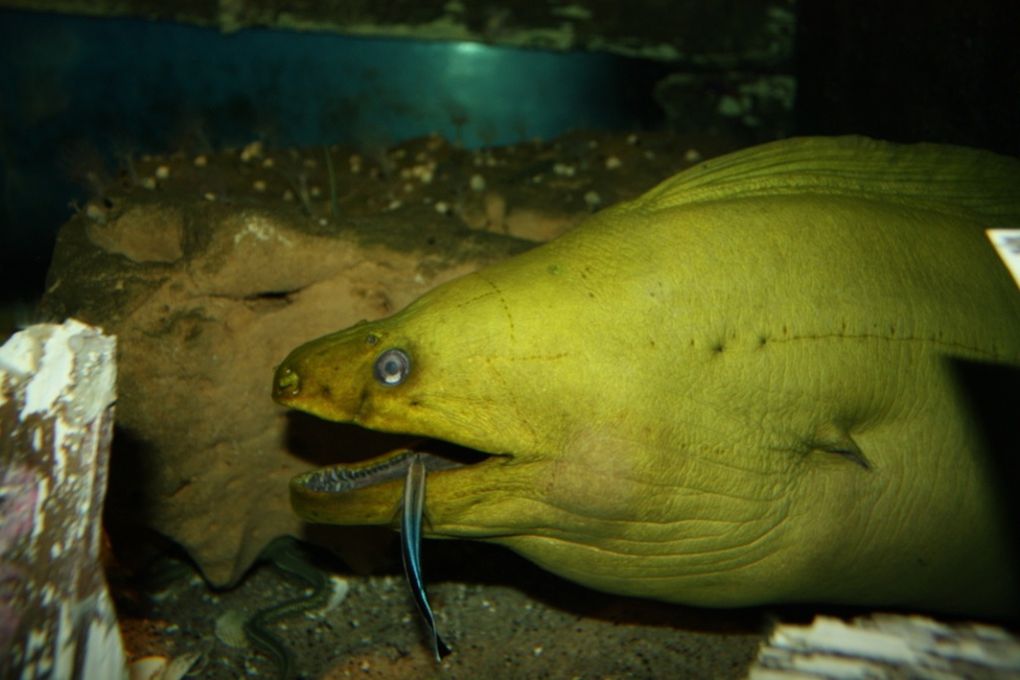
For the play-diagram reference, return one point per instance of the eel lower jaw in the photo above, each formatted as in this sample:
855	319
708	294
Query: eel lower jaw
369	492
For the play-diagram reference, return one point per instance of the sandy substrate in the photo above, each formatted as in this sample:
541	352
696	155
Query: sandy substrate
502	616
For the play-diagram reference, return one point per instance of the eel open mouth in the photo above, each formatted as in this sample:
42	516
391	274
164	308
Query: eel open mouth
365	489
369	491
339	479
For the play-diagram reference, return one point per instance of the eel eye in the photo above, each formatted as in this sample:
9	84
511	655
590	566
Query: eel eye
392	367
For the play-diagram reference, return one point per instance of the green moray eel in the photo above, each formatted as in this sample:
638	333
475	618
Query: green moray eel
740	388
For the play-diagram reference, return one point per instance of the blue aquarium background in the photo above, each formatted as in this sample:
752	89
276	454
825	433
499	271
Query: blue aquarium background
82	94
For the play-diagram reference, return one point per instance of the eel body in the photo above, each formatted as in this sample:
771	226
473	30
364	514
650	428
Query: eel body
749	385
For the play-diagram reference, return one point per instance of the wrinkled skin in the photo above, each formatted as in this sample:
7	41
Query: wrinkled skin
739	388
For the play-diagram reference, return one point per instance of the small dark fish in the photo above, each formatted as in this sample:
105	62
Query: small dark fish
413	507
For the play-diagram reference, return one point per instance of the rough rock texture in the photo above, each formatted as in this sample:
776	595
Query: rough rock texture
209	269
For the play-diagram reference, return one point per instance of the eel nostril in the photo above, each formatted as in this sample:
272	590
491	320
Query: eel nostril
288	382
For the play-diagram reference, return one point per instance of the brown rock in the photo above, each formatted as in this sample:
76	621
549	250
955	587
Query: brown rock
143	233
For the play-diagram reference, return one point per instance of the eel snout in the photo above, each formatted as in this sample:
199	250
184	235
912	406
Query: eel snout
299	382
